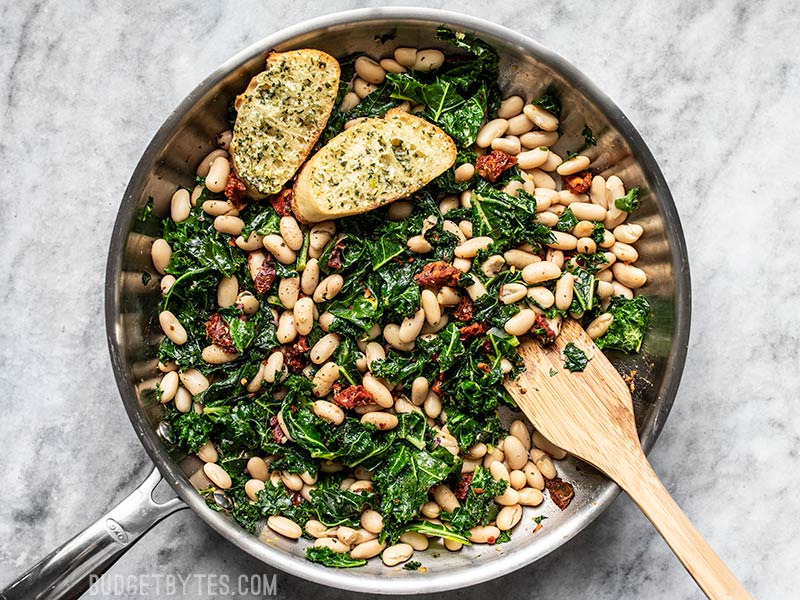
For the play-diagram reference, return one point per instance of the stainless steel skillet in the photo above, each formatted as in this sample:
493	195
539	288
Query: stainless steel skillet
169	161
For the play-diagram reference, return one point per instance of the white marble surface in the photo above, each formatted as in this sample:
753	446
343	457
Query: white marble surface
712	85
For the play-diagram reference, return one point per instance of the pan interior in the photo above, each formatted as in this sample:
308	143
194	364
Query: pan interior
527	69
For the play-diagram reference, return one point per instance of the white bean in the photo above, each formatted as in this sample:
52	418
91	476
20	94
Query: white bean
324	379
276	246
552	162
543	297
290	232
369	70
288	291
540	271
160	253
589	212
628	233
520	431
419	244
624	252
373	352
629	276
516	454
274	367
309	278
521	322
217	177
183	400
304	315
168	386
285	527
180	206
622	290
471	247
286	332
574	165
400	210
194	381
349	102
406	57
530	159
228	224
508	517
399	553
484	534
363	88
599	326
492	130
324	348
368	549
252	488
217	355
540	117
227	291
372	521
533	476
519	258
205	165
328	288
519	125
531	496
248	302
428	60
507	498
328	411
586	245
390	65
217	208
411	326
172	328
380	393
445	498
563	241
512	292
536	139
510	107
565	287
218	476
382	421
432	405
464	172
430	307
509	145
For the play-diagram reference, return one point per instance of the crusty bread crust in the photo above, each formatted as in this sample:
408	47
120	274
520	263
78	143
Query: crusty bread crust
314	201
263	174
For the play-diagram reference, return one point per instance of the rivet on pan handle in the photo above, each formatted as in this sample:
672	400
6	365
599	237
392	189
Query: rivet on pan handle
68	571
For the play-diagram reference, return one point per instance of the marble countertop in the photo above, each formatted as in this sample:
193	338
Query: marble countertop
712	87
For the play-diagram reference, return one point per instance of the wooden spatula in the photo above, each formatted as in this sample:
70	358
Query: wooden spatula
590	415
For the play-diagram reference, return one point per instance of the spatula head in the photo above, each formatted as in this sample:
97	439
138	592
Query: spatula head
588	413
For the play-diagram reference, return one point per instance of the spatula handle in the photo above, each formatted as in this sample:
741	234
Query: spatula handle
703	564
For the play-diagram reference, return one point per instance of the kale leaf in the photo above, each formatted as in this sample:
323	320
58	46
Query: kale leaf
550	101
478	508
329	558
629	325
630	201
575	359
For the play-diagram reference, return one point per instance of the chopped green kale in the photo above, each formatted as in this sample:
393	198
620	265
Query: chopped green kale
575	359
627	330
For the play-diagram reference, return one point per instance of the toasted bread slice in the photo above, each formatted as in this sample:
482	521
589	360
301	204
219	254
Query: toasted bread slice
371	164
280	116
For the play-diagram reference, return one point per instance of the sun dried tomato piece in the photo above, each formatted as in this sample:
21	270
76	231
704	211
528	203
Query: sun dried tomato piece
464	310
352	396
578	183
219	332
277	433
561	492
491	166
437	274
462	487
265	276
541	328
436	386
294	355
282	202
235	191
335	259
470	332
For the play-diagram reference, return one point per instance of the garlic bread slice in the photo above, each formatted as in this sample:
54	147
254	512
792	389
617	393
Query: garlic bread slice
280	116
371	164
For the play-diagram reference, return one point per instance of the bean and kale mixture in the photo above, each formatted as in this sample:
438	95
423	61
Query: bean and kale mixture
348	394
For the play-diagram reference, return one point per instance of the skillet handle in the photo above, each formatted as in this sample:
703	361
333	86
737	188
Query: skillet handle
68	571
